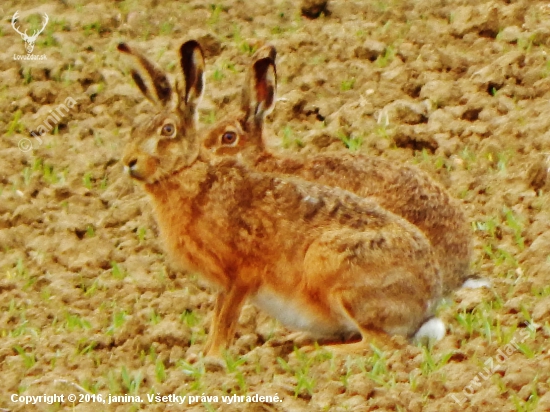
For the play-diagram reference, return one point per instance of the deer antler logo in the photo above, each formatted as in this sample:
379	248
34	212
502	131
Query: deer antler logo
29	40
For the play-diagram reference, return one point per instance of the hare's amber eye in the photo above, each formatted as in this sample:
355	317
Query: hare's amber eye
229	138
168	129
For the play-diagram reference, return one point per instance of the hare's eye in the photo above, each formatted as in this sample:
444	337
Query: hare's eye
229	138
168	129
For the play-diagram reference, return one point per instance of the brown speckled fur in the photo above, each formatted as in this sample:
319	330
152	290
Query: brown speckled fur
403	190
342	263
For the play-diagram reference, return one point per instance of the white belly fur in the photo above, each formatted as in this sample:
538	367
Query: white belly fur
296	314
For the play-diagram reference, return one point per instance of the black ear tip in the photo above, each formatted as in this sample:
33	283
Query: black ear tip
266	51
263	65
190	47
123	47
272	54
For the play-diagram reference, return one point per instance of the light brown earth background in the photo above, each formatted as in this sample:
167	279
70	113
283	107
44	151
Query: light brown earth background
89	303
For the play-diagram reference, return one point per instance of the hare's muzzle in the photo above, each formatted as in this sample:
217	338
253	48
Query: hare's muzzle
130	167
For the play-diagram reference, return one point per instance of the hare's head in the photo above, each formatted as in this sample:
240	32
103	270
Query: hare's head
167	142
243	130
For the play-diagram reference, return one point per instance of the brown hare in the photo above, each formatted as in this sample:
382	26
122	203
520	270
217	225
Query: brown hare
403	190
317	258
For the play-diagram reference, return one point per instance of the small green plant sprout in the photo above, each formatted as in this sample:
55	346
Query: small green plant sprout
347	85
27	175
422	156
20	269
489	227
529	404
468	321
154	317
468	157
352	143
47	39
87	180
166	28
232	363
526	43
376	369
502	161
49	175
216	10
90	288
192	321
118	319
73	321
386	58
194	372
160	370
27	75
104	183
15	125
545	72
217	74
29	359
189	318
514	223
247	48
129	382
94	27
288	139
85	346
141	232
90	231
117	271
305	383
429	364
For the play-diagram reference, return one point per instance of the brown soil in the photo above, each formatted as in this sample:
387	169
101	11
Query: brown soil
89	303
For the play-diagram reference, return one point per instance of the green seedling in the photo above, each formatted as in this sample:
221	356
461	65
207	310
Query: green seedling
84	346
73	321
347	85
194	371
160	371
352	143
514	223
154	317
15	125
305	383
231	363
166	28
216	10
118	319
429	364
141	232
29	359
386	58
87	180
131	383
117	272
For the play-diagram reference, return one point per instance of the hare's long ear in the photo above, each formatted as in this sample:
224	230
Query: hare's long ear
265	51
155	85
192	66
259	92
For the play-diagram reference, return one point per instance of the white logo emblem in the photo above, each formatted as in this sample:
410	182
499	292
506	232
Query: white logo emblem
29	40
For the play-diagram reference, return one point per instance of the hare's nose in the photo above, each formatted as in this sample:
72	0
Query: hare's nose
130	167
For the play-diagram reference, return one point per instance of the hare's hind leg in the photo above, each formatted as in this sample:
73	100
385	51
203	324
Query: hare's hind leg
381	282
368	324
226	315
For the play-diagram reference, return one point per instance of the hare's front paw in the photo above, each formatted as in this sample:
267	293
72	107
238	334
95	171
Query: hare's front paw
368	344
208	362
